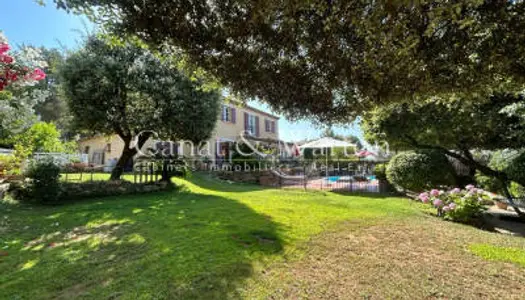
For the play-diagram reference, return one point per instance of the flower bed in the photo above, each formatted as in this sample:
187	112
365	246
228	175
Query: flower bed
458	205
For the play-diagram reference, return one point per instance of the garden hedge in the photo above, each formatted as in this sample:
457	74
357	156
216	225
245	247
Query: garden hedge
421	170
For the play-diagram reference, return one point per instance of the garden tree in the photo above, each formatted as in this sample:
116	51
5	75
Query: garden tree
127	90
20	71
453	127
332	60
40	137
54	107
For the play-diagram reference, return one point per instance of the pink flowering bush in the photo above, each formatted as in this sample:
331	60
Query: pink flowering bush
458	205
13	71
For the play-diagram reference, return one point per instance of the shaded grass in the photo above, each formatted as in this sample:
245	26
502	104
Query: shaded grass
205	241
498	253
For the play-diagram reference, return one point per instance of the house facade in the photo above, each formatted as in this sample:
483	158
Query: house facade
234	120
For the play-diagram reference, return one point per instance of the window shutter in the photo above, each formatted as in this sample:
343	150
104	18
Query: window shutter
234	115
256	126
273	126
222	113
245	121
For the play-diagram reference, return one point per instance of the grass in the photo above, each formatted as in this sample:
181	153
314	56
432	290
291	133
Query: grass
214	240
498	253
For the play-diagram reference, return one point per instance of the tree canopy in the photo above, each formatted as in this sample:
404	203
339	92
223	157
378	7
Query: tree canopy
126	90
453	127
332	60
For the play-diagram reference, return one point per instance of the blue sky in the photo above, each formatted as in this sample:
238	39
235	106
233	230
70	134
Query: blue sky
25	22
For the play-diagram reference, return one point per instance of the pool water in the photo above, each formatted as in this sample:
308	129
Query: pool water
336	178
333	178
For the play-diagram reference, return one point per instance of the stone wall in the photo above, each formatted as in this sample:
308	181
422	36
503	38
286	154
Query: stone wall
264	178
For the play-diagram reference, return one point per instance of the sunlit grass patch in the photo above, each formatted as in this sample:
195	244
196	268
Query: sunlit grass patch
498	253
201	241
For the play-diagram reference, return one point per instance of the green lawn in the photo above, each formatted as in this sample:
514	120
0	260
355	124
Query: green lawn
210	240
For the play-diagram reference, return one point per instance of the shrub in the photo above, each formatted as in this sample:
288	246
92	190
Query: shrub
44	185
512	164
489	183
244	155
516	168
417	171
463	206
94	189
9	165
380	171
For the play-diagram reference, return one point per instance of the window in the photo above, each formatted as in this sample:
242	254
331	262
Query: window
108	148
252	125
228	114
86	150
269	126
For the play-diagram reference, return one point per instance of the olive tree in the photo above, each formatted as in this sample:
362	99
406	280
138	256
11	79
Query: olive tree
125	89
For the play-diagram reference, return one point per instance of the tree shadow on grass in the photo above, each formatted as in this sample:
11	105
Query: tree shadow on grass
165	245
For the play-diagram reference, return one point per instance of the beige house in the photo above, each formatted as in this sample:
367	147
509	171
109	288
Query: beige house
234	120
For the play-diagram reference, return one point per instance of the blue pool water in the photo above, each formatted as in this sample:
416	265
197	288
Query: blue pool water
336	178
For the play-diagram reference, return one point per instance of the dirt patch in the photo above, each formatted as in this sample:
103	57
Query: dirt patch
413	259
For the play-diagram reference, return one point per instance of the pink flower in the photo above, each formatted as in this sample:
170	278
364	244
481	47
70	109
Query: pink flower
423	196
455	191
4	48
38	75
469	187
438	203
446	208
434	192
6	59
424	199
481	191
452	206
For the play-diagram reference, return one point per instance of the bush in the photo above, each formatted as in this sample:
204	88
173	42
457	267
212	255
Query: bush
94	189
380	171
9	165
489	183
70	191
463	206
512	164
44	185
516	168
417	171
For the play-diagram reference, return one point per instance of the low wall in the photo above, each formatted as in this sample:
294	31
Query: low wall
264	178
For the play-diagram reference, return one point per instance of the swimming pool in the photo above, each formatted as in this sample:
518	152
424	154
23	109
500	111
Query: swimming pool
337	178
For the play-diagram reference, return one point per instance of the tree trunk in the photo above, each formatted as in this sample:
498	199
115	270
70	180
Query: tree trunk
127	154
165	174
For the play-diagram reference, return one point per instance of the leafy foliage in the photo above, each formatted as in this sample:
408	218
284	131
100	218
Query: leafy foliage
334	59
127	90
516	168
463	206
41	137
21	89
448	123
417	171
380	171
45	185
9	165
72	191
54	108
